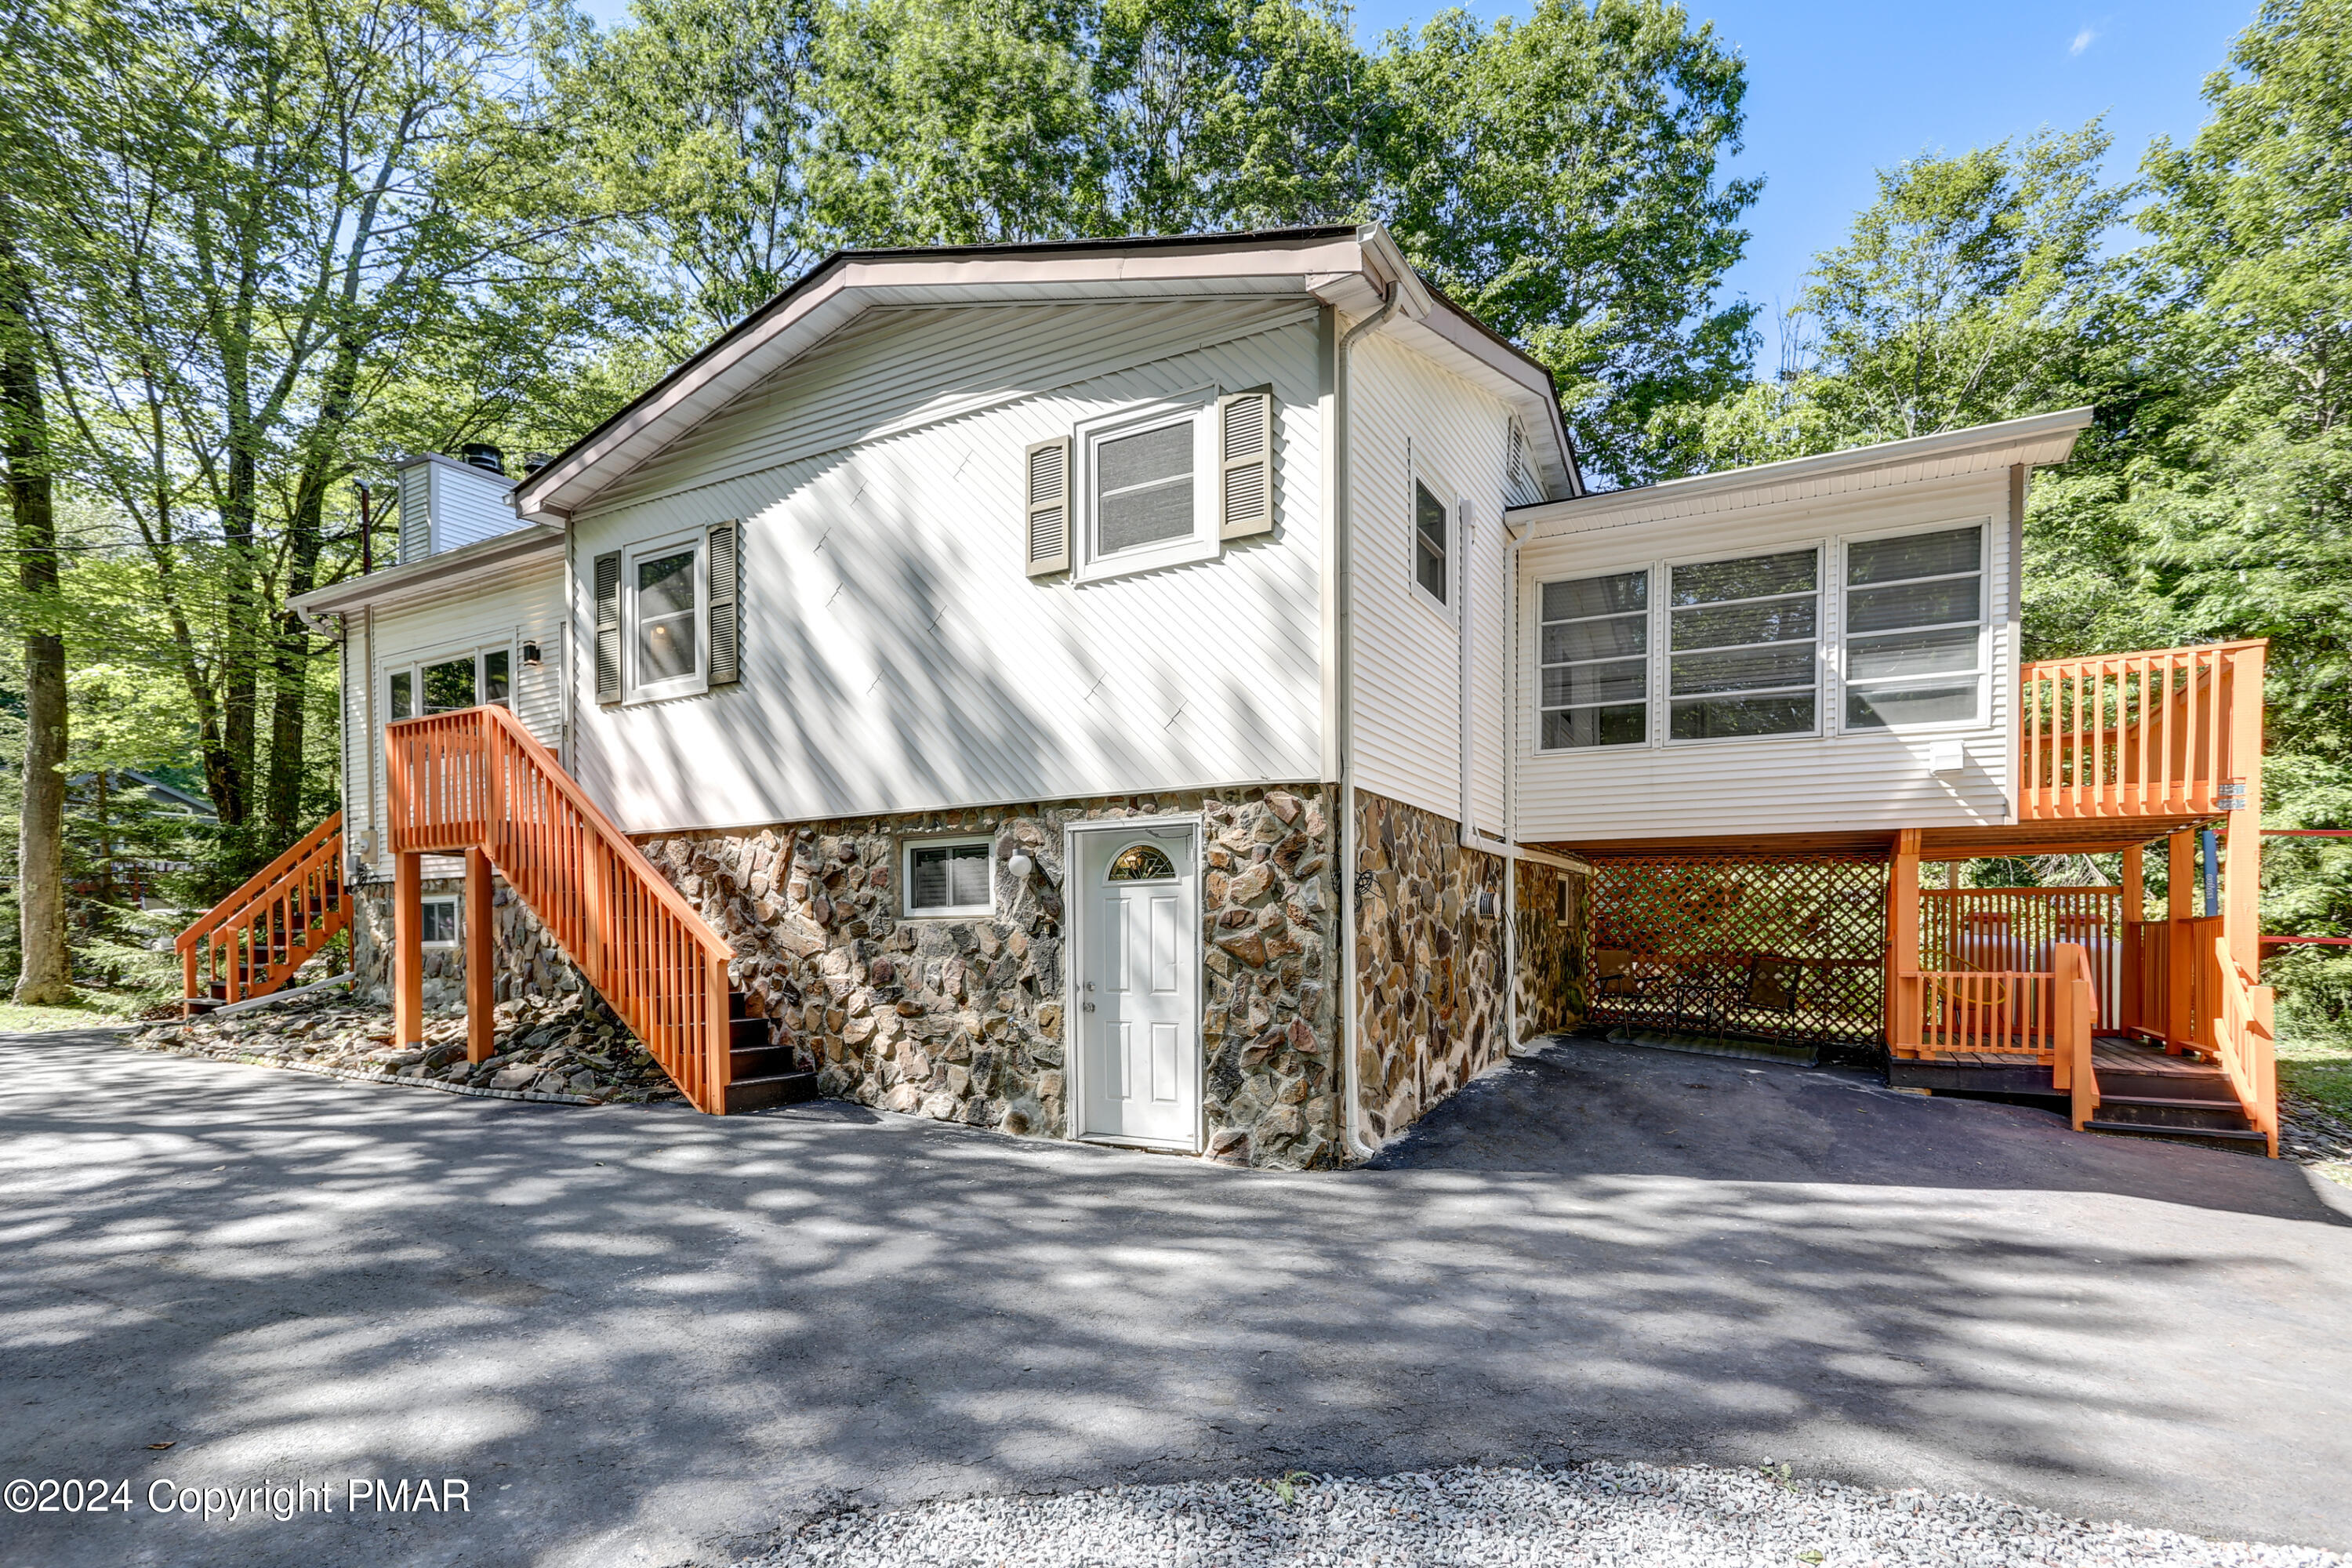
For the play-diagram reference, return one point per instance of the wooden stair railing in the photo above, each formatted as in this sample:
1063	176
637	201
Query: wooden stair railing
477	780
251	943
2244	1046
2077	1011
2168	733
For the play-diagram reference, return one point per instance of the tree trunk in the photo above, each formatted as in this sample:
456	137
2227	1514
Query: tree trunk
47	976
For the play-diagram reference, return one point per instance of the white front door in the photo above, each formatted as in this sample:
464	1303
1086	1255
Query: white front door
1138	986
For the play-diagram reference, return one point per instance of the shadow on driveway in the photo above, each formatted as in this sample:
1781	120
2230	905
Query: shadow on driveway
643	1335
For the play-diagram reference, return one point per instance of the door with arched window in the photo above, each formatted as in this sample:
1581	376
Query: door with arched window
1136	980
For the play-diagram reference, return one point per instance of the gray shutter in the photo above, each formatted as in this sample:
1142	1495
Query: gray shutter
726	667
608	627
1045	479
1246	464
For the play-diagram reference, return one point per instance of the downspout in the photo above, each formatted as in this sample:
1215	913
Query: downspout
1351	1086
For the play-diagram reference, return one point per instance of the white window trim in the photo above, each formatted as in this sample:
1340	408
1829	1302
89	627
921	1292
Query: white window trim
1199	407
1984	718
1417	472
456	917
633	689
1825	638
414	666
907	909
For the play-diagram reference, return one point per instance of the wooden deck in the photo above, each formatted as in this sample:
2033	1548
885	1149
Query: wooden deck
2109	1053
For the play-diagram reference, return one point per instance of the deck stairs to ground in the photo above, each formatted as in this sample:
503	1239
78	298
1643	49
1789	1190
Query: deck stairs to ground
476	783
253	940
2144	1092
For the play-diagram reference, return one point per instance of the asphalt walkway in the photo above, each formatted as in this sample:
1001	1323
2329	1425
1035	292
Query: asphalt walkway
642	1336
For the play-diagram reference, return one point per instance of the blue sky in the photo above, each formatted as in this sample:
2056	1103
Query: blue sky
1837	91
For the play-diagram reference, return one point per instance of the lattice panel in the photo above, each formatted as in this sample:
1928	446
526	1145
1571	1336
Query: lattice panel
1777	948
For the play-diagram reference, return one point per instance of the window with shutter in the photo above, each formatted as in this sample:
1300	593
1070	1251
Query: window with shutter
1045	529
726	619
608	627
1246	436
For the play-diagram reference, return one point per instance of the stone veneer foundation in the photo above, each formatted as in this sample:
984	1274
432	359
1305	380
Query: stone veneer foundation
1550	950
961	1019
1428	998
530	964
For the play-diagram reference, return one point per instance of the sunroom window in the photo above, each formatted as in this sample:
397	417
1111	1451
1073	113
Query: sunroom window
1915	629
1742	639
1596	644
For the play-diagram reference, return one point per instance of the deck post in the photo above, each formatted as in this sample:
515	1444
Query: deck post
481	1014
2180	960
2242	827
408	950
2131	990
1902	1022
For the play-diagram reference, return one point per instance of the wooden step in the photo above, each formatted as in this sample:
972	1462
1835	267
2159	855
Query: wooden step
2172	1112
774	1088
2217	1137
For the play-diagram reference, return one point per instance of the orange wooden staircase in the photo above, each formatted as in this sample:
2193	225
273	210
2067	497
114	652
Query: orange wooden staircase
478	783
251	943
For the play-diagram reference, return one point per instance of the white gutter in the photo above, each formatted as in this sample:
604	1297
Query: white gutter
1351	1086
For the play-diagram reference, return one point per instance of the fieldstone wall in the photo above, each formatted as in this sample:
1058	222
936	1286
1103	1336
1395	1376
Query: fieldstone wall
1428	999
962	1019
530	964
1550	979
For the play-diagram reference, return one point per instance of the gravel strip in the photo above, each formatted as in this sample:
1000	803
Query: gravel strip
1636	1516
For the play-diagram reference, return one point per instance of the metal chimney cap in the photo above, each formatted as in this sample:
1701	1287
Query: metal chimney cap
534	461
482	455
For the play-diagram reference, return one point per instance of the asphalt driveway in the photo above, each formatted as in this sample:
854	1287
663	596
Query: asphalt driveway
642	1336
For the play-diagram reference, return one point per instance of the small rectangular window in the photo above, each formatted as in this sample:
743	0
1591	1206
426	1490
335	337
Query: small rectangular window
497	682
950	878
449	685
439	924
667	647
1429	544
1741	644
1144	489
404	697
1914	629
1596	644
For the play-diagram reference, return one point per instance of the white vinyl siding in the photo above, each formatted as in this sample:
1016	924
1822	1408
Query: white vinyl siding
1409	416
526	606
897	655
1834	778
445	504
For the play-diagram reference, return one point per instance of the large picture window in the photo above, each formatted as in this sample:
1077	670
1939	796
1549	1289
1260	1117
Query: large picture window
1596	646
1743	636
1915	629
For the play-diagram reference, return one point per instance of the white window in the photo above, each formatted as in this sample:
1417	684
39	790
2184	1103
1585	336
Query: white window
439	924
949	877
1596	660
1742	644
1915	629
1432	535
662	590
445	682
1148	496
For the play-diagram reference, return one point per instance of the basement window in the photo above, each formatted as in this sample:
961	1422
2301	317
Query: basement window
438	923
949	877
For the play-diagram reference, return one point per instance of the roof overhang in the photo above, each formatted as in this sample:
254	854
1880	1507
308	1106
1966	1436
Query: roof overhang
435	574
1348	266
2033	441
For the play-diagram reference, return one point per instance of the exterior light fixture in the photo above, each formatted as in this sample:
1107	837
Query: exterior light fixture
1019	865
531	655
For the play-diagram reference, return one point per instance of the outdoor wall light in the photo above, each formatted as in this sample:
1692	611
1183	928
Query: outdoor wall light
531	655
1021	866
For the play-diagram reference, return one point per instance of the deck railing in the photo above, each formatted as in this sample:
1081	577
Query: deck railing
477	779
2243	1044
1993	1012
2007	929
2160	733
253	941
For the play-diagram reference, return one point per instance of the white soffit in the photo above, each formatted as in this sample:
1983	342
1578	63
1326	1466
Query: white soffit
485	557
1347	268
2034	441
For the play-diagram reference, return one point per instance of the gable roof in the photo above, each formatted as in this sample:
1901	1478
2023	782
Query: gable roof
1349	267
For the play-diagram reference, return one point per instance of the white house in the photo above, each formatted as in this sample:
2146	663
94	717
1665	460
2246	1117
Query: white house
1166	692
